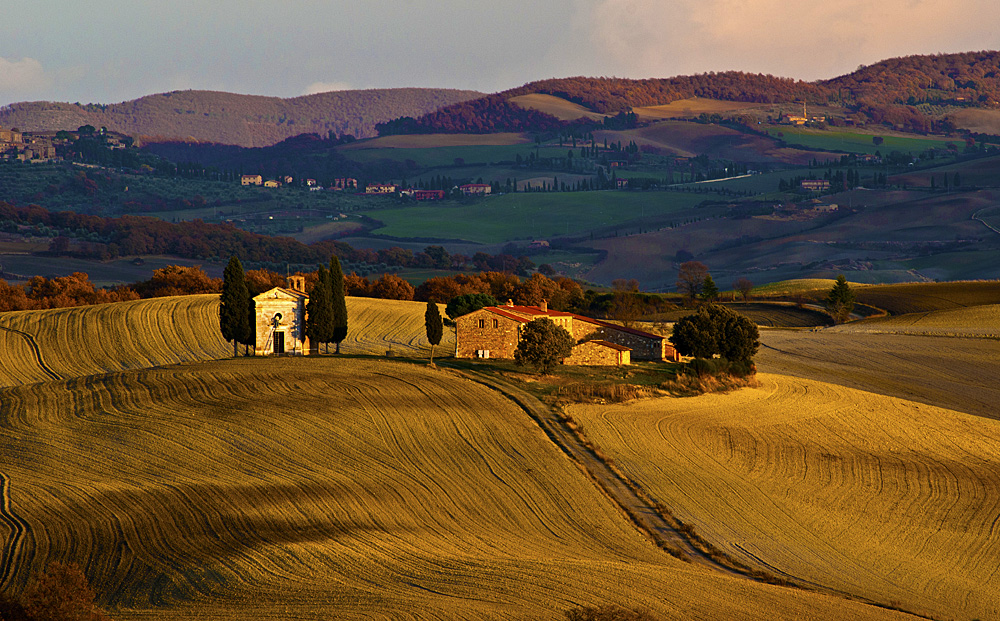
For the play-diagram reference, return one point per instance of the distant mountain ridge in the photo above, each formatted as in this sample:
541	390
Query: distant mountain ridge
228	118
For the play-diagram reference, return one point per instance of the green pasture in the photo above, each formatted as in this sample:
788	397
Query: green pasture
525	216
854	142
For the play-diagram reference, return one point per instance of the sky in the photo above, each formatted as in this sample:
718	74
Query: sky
108	51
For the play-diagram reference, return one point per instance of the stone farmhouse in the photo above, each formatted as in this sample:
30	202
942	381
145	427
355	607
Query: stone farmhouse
280	320
495	331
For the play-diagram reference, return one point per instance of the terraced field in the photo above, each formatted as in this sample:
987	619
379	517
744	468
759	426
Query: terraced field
880	497
300	488
75	342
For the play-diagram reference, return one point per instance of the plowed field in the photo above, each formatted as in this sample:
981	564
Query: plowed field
884	498
74	342
955	373
300	488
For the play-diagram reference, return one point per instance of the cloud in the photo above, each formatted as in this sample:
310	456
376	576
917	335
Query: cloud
323	87
808	39
21	77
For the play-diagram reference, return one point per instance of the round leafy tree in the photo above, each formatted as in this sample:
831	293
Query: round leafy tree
715	329
466	303
543	345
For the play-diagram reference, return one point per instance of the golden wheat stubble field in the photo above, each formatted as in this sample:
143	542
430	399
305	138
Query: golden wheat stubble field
314	488
73	342
882	498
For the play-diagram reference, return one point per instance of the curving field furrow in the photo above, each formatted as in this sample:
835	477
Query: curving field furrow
320	488
886	499
974	322
11	552
373	326
953	373
75	342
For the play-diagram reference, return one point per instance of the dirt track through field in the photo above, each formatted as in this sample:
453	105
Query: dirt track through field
36	352
12	551
888	500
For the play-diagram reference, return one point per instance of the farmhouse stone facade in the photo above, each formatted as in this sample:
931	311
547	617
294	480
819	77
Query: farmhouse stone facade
280	320
600	353
495	331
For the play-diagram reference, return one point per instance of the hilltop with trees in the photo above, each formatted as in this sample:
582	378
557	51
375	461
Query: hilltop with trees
229	118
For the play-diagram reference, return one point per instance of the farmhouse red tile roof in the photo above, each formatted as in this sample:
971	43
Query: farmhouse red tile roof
611	345
503	313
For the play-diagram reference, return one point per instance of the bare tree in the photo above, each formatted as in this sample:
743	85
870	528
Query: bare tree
627	307
691	278
744	287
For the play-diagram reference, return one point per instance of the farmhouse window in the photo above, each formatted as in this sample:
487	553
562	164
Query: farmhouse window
496	323
482	323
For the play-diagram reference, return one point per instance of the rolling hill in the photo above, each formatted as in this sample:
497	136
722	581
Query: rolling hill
228	118
65	343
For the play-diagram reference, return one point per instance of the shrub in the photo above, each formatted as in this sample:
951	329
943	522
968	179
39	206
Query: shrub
61	594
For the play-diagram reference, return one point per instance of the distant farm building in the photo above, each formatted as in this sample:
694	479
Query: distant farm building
381	188
428	195
621	183
280	320
495	331
475	188
271	183
345	183
251	180
815	185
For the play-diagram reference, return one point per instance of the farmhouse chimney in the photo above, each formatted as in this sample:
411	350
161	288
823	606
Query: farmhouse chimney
545	306
510	302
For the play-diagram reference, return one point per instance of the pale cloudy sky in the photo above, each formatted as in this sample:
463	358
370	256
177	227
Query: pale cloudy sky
106	51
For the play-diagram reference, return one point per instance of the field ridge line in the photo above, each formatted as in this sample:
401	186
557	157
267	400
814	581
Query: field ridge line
36	351
18	529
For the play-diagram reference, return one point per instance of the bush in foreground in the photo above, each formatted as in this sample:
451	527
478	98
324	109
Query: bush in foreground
607	613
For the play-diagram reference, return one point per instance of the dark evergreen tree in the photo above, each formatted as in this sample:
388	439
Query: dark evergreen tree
339	302
709	292
235	321
319	311
434	326
840	300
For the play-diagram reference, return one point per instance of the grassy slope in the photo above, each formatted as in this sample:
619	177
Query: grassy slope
309	489
880	497
74	342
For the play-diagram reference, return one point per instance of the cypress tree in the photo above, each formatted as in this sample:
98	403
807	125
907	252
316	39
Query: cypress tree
434	325
319	312
338	302
709	291
234	317
840	300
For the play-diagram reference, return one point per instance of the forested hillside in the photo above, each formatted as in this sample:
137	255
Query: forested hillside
227	118
886	92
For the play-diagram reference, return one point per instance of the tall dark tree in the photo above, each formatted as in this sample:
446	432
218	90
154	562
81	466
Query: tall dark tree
709	291
319	311
434	326
840	300
235	316
338	300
